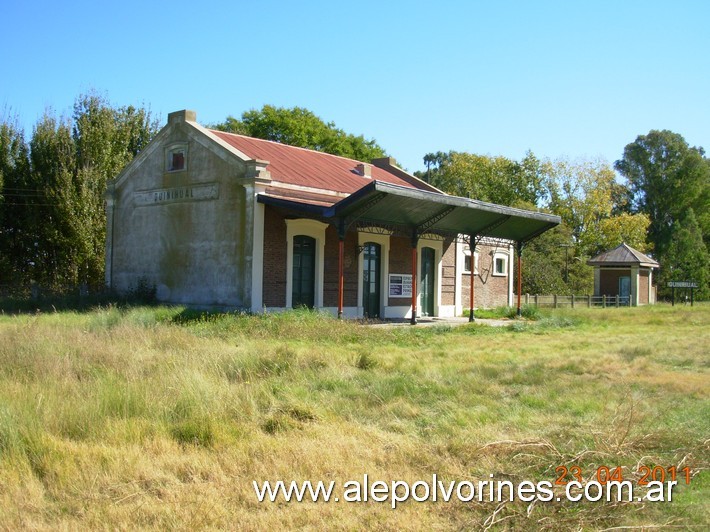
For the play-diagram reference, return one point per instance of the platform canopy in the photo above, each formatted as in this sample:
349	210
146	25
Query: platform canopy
419	212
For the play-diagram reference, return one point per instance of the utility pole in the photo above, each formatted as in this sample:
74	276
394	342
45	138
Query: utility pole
566	246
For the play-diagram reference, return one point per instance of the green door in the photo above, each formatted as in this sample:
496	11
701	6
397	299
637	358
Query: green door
624	289
371	281
304	271
428	282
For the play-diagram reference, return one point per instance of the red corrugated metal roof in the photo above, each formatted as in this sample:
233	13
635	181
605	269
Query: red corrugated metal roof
302	196
309	168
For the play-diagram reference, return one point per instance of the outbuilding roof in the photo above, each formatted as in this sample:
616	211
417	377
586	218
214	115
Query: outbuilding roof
623	255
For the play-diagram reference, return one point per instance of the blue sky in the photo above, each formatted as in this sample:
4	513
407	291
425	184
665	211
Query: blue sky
561	78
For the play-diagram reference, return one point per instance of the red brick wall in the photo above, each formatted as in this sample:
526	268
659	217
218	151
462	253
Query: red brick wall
643	287
609	281
448	274
400	262
330	273
275	256
489	291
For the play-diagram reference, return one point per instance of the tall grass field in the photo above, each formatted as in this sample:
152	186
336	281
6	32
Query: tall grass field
162	418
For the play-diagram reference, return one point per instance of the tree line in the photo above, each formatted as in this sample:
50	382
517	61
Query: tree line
52	217
52	222
660	207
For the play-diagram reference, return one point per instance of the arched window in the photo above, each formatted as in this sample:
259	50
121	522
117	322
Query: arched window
305	240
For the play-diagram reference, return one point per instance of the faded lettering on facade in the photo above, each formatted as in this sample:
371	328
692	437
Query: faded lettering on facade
176	194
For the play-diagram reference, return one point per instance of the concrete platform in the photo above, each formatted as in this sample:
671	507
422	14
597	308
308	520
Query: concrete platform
433	322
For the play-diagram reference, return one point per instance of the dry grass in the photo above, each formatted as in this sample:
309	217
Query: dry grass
161	418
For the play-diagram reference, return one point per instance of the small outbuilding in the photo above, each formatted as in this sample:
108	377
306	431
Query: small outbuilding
625	272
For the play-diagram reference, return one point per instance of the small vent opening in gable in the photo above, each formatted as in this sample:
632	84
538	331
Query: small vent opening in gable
176	158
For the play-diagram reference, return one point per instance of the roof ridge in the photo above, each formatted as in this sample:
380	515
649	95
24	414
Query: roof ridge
288	145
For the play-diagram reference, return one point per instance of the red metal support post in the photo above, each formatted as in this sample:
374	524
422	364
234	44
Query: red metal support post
472	248
413	319
520	276
341	253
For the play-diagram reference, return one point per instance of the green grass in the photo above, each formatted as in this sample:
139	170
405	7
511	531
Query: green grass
530	312
158	417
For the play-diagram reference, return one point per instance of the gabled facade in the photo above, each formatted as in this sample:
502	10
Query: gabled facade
213	219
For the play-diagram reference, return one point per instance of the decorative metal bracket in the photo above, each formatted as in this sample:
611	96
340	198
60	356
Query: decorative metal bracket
434	219
500	221
369	204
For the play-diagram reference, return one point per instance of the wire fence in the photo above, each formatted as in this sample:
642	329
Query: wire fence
572	301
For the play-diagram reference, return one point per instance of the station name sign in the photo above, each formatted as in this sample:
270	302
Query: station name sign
682	284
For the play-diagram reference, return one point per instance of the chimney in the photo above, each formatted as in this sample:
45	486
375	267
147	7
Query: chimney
364	170
384	162
182	116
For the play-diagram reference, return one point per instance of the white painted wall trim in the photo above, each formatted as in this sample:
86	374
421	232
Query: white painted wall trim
447	311
634	286
316	230
511	274
500	255
399	311
384	242
438	247
348	312
257	264
458	276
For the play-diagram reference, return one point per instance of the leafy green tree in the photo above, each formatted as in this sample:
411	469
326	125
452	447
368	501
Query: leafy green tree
666	177
49	218
434	162
544	262
624	227
53	229
482	177
687	258
300	127
106	139
584	193
14	166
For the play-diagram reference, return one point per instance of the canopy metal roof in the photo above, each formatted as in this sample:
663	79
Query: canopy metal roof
420	212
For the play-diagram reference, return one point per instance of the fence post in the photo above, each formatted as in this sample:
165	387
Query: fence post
617	300
604	301
589	301
554	301
572	300
527	298
536	300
